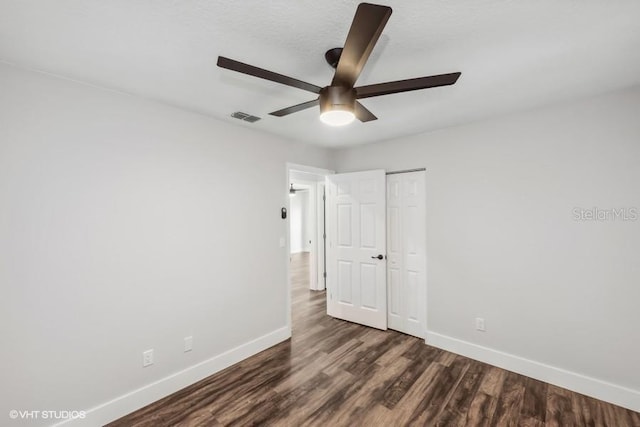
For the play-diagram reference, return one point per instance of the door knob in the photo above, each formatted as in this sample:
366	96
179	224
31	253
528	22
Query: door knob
379	256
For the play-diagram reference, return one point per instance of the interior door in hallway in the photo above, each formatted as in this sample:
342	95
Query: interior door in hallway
406	250
356	247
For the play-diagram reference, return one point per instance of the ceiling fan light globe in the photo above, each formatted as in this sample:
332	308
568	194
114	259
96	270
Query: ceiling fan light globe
337	117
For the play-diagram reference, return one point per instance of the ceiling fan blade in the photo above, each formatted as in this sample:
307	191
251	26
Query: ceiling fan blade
366	28
296	108
243	68
363	114
406	85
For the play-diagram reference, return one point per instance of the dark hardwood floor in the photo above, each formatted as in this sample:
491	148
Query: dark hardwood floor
336	373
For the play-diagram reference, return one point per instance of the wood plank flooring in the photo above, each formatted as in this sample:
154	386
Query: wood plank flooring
336	373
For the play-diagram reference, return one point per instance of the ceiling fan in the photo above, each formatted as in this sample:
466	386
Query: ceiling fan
293	191
338	102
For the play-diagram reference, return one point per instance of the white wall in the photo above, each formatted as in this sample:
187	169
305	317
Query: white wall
302	218
503	244
308	211
297	221
127	225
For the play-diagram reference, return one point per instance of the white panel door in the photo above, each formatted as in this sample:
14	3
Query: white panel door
356	247
406	265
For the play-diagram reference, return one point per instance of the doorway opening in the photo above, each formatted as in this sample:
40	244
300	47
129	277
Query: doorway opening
306	234
302	218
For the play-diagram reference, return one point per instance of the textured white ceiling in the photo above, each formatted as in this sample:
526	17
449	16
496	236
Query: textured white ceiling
513	55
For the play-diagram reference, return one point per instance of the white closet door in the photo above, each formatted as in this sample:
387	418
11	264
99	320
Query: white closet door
406	252
356	239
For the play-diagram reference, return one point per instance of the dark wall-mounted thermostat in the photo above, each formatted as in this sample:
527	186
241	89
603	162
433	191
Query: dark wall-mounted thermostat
284	213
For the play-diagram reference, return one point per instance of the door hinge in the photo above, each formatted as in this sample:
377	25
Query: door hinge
324	274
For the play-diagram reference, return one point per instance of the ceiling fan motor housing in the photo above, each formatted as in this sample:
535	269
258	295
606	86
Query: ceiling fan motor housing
337	98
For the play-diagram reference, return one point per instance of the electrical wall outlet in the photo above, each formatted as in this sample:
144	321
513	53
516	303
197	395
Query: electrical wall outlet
188	344
480	324
147	358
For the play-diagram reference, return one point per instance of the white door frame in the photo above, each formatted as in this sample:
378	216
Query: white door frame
321	279
299	168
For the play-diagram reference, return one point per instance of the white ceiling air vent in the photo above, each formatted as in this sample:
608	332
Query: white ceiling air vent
244	116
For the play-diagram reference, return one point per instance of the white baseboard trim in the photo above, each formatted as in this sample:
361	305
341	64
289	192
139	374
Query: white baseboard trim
593	387
127	403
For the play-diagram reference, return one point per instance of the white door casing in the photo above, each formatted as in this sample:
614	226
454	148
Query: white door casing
320	236
406	250
356	236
